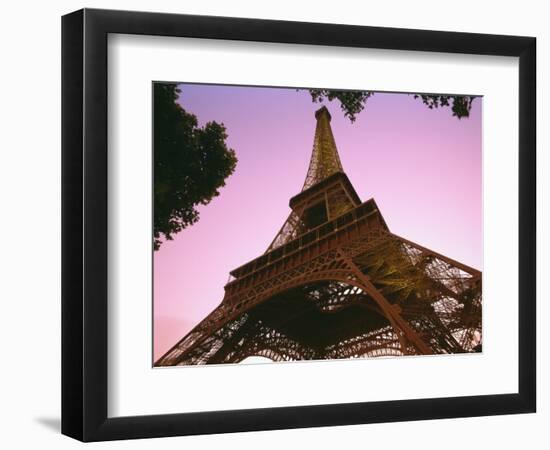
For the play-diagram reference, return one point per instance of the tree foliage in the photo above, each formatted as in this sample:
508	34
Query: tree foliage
190	163
460	104
353	102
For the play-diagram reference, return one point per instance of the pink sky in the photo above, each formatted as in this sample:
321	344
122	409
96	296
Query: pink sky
422	166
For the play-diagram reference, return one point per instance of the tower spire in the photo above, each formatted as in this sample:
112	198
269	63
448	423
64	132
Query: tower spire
327	191
325	160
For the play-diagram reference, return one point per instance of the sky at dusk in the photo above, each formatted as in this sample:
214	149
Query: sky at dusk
423	167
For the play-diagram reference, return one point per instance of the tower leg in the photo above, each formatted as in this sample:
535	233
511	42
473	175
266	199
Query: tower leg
391	313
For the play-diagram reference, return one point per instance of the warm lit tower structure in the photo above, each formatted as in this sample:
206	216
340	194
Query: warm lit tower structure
337	283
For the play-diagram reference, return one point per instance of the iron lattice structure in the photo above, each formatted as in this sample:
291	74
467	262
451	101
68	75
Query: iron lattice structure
336	283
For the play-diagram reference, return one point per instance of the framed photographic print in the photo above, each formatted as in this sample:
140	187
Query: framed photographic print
273	224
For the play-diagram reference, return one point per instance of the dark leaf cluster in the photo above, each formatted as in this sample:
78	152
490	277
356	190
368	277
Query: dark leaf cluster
351	102
190	163
460	104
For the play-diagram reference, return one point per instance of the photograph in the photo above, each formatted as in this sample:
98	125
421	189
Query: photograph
295	224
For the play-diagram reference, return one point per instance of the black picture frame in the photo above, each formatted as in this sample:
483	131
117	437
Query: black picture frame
84	224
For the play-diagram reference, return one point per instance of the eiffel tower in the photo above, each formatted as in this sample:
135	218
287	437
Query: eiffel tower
337	283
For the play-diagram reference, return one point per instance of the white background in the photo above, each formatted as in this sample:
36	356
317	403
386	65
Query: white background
30	177
135	389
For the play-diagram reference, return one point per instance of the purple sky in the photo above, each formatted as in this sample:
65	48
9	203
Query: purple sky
422	166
